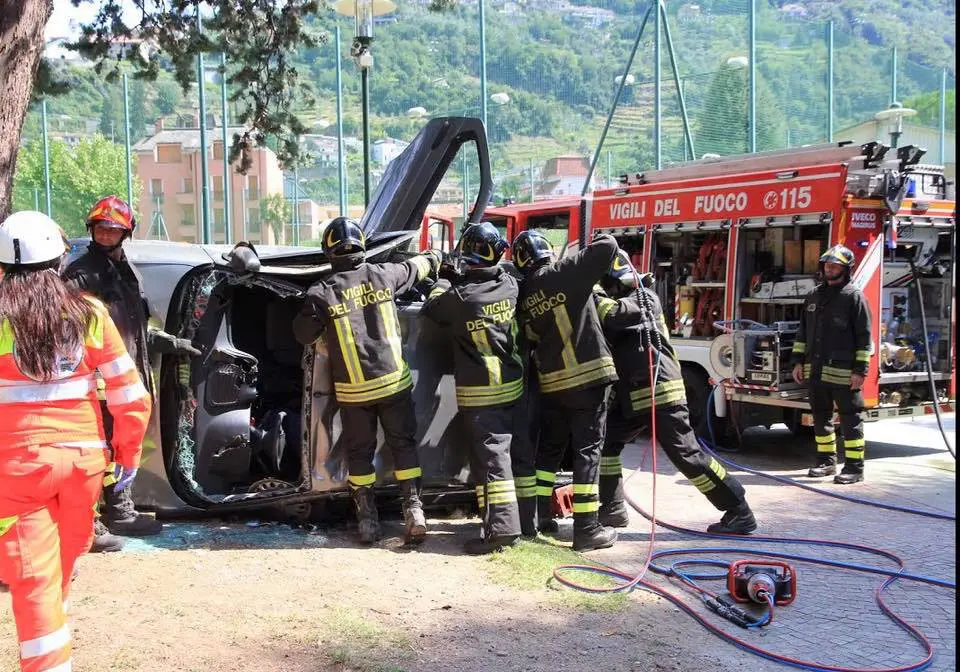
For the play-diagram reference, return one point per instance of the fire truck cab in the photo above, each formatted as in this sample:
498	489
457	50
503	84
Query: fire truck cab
734	245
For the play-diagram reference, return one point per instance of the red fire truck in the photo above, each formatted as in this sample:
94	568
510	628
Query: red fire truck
734	245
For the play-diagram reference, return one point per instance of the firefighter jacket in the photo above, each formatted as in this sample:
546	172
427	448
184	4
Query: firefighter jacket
834	337
623	323
118	285
65	411
480	309
356	307
558	311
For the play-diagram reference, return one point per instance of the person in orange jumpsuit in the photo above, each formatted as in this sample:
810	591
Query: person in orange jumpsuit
54	341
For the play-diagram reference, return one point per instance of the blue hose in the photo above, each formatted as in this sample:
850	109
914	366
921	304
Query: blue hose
710	449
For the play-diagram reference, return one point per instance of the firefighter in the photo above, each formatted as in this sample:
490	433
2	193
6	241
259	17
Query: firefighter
371	379
53	452
479	305
104	271
575	370
831	356
633	323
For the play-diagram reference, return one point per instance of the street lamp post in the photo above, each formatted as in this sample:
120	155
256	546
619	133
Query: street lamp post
895	114
363	12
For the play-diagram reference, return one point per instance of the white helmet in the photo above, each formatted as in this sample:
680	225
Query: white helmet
30	237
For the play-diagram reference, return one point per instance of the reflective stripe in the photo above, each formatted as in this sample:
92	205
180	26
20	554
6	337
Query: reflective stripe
604	306
826	448
348	349
437	291
491	361
718	469
854	443
544	491
581	374
502	497
667	393
126	394
388	313
41	646
826	438
380	388
6	524
703	483
66	606
562	319
109	474
863	355
83	444
835	375
586	507
121	364
361	480
488	395
524	481
548	476
500	486
799	347
611	466
76	388
853	454
407	474
423	267
586	489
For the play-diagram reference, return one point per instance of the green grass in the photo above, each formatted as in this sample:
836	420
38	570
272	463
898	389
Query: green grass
360	644
529	567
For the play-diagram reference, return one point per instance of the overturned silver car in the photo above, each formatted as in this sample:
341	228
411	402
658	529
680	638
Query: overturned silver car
253	421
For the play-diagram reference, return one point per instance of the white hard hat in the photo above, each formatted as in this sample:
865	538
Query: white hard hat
29	237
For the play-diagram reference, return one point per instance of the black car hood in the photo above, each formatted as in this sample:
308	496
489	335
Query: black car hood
411	179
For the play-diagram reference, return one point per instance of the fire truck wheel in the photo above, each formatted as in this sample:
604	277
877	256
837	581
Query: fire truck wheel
697	386
792	418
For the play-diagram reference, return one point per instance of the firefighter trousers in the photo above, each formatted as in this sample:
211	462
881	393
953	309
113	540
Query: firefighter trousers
679	442
577	419
849	403
359	436
523	454
490	431
47	499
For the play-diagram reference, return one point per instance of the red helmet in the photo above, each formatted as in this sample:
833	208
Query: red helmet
113	212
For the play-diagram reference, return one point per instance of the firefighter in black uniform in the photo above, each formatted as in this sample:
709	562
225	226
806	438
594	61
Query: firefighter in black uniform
831	355
479	305
105	272
633	323
575	370
355	305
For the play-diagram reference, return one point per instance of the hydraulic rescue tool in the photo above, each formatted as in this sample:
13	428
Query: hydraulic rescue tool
758	580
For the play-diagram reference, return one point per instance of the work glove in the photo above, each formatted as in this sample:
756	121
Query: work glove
124	476
167	344
435	260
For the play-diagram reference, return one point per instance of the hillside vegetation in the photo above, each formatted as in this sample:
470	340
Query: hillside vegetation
558	70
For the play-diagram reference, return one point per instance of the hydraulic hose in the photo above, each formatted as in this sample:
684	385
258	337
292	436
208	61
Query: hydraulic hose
711	450
927	358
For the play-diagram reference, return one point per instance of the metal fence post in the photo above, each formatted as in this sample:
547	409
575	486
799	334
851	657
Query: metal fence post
752	64
207	238
126	143
893	77
943	115
227	177
830	81
657	111
46	155
341	167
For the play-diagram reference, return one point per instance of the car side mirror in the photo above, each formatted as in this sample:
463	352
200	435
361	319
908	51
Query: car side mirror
243	258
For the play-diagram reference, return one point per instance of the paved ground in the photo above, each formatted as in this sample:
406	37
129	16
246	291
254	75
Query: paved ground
245	598
835	619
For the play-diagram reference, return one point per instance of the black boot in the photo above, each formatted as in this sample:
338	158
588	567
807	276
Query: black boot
738	520
852	473
613	509
368	522
527	507
103	541
826	466
120	516
414	522
589	534
492	544
545	520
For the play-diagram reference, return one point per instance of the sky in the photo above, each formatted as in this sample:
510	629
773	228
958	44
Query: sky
66	19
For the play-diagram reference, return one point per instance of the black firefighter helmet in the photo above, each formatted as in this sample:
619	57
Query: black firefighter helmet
343	236
530	248
482	245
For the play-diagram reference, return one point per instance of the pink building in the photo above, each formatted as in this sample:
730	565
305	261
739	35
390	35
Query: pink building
168	165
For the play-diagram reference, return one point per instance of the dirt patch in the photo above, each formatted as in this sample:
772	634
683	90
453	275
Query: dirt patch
296	603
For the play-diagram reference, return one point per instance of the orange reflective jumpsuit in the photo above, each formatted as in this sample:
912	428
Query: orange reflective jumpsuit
52	459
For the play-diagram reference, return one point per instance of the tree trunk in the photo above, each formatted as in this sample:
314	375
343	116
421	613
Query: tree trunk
21	45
